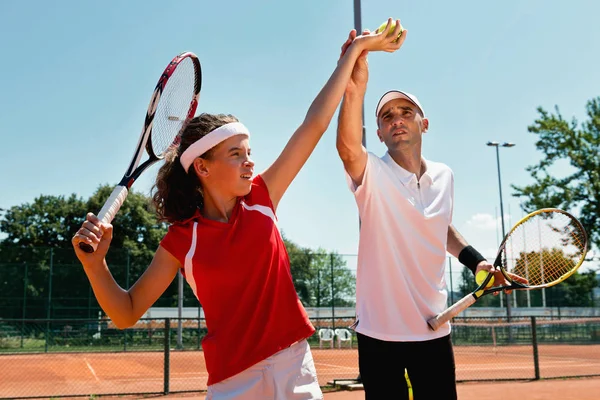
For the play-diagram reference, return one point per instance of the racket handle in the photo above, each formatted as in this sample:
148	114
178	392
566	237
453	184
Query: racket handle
451	312
108	212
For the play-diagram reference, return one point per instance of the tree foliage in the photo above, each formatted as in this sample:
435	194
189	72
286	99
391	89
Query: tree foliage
312	271
37	247
537	267
568	177
40	275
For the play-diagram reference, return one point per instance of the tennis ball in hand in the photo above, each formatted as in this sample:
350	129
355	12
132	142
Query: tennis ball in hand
392	27
480	277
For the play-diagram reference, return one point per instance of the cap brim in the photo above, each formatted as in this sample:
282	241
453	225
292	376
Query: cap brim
397	94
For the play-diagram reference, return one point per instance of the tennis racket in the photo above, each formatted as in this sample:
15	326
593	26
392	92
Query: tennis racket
545	247
172	104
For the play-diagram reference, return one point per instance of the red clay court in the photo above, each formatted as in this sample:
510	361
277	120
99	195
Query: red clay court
29	375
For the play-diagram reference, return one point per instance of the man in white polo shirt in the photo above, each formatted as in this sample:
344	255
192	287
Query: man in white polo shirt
405	205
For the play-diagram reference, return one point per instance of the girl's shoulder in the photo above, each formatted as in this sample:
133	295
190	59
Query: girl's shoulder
259	193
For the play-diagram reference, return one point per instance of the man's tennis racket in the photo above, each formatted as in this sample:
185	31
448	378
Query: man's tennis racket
173	103
545	247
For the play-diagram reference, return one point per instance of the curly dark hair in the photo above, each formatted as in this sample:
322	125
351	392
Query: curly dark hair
177	194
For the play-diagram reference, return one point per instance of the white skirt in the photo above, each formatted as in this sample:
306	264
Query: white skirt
287	375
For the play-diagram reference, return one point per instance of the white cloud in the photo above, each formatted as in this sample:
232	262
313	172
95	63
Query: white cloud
484	221
489	253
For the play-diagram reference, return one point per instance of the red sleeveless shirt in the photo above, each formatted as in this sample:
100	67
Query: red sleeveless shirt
240	273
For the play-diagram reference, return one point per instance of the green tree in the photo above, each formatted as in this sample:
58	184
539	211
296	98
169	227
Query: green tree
300	266
37	245
577	145
135	225
49	221
543	267
548	266
38	240
311	272
576	291
31	230
343	283
467	282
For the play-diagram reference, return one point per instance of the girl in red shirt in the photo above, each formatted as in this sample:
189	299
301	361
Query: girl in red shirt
223	236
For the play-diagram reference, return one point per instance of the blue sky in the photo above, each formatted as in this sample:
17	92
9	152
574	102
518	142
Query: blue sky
77	78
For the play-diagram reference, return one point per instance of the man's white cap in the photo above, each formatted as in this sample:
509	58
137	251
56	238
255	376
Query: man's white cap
397	94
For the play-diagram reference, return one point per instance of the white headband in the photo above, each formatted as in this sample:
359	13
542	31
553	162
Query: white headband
210	140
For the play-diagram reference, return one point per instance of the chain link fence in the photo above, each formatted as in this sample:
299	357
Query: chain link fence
55	340
50	283
53	358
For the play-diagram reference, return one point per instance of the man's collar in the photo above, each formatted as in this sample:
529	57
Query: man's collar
404	175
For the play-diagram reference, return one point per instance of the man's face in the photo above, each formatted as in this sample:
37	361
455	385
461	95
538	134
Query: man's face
400	123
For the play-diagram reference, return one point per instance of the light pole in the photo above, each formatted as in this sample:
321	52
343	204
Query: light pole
358	27
497	145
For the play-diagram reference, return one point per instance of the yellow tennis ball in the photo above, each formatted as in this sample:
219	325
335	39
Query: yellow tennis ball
392	27
480	277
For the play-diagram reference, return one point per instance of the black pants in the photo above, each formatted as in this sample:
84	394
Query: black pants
430	366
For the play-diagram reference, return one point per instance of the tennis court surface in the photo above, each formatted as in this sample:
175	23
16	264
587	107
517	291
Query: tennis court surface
32	375
518	351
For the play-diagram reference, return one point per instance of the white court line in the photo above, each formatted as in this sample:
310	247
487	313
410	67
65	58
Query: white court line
335	366
147	379
544	358
484	367
92	370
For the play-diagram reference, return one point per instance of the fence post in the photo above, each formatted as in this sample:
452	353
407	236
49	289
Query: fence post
199	325
536	358
127	287
179	310
318	288
167	355
89	301
127	270
49	305
451	285
24	305
332	294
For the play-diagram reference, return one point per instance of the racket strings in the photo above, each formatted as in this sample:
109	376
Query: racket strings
173	107
545	248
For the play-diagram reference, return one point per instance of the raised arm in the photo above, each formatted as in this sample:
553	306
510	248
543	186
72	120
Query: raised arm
280	175
350	120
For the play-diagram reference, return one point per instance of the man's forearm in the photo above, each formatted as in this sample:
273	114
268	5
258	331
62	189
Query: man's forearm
455	242
459	248
350	123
